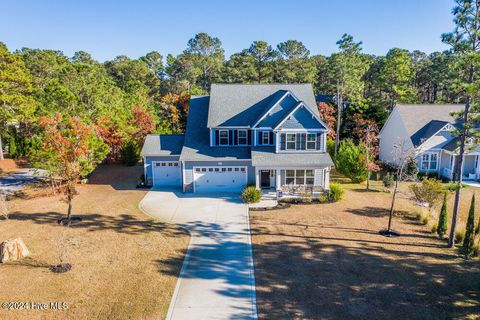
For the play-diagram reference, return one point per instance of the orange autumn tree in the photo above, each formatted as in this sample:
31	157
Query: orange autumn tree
112	135
367	133
71	151
327	114
174	108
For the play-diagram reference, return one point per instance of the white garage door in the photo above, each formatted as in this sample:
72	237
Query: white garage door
167	173
220	179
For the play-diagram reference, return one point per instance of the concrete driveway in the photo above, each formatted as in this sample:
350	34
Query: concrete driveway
217	279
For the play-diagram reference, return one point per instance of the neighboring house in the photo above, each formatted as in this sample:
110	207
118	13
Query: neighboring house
270	136
428	129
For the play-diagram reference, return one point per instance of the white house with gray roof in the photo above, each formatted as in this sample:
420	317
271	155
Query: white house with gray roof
268	135
428	128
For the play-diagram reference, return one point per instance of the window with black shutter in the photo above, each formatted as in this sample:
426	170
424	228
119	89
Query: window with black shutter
249	134
271	137
217	137
259	138
282	141
235	139
230	138
319	141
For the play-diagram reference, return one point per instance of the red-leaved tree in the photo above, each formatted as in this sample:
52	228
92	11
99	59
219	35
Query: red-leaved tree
327	114
112	135
142	123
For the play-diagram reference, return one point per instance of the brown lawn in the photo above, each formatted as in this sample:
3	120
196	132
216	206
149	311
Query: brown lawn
124	263
327	261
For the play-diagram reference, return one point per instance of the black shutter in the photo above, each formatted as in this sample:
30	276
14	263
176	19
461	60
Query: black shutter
319	141
230	137
217	137
303	141
259	140
271	137
235	137
249	135
282	141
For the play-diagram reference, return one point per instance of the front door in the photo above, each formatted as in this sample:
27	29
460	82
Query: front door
265	178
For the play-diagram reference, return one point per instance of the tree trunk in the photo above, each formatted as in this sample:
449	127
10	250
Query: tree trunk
339	119
69	211
1	148
390	217
459	177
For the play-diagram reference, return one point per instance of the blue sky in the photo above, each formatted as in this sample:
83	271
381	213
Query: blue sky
107	28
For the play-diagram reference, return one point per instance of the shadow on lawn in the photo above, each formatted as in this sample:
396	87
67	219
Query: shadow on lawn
319	280
124	223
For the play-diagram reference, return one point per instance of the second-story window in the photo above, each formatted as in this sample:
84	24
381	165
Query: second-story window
265	137
242	137
291	141
311	141
223	141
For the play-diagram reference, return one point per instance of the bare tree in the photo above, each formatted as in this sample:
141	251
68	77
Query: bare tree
402	155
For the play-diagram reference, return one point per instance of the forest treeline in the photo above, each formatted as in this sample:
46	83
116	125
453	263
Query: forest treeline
111	94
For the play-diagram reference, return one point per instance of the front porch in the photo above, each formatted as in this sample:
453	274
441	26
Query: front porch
471	169
292	183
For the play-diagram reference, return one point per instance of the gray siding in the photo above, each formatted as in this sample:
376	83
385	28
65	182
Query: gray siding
302	119
148	164
188	170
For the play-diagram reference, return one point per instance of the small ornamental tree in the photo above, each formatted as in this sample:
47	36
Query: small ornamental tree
442	219
367	132
71	150
468	241
351	162
327	114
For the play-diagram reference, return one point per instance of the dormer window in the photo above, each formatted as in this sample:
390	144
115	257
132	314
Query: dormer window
224	138
242	137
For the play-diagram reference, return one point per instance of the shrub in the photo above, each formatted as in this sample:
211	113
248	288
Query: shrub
251	194
429	190
130	154
336	192
412	169
442	218
331	148
12	147
422	217
469	240
350	161
459	235
388	180
452	186
323	198
434	228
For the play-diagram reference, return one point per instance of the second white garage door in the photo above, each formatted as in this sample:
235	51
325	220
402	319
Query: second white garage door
220	179
167	173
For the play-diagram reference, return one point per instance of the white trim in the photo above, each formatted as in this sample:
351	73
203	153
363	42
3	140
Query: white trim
231	127
304	177
276	103
238	137
437	154
220	138
300	104
433	135
268	138
302	130
294	140
219	166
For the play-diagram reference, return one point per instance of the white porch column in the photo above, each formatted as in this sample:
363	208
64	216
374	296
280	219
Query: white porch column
257	178
278	182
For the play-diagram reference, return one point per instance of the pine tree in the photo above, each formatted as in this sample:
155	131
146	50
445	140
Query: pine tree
442	219
468	241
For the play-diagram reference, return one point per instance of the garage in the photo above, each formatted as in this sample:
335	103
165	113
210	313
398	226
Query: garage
167	173
220	179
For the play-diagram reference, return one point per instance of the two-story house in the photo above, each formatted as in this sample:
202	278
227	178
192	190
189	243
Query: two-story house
267	135
427	128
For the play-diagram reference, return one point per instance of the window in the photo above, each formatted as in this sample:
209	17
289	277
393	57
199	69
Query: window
300	177
290	176
265	137
429	161
291	141
242	137
311	141
223	141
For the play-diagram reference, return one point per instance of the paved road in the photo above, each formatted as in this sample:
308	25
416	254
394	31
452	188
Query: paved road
217	279
16	181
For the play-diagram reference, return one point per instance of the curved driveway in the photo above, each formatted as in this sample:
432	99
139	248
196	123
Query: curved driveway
217	278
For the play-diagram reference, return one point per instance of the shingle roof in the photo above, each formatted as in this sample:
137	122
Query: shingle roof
162	145
452	145
197	143
416	116
427	131
243	104
266	156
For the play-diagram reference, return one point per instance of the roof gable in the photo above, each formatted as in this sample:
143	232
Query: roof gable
427	131
273	115
244	104
301	117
